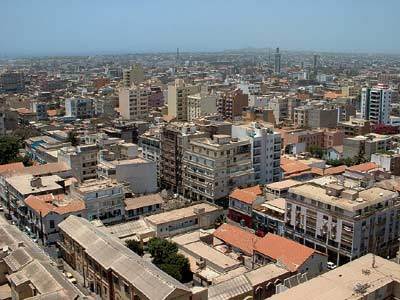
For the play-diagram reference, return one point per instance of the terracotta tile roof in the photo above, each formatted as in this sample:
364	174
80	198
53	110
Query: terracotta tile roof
11	167
290	167
288	252
335	170
247	195
45	204
365	167
236	237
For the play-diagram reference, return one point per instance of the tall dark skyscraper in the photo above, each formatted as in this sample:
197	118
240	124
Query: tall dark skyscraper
277	66
315	63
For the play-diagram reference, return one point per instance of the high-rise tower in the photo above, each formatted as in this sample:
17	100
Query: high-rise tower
277	66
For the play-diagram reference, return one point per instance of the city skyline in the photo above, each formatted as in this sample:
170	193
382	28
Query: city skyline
101	27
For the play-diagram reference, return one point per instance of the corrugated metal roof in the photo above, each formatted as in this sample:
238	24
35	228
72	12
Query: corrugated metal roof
236	287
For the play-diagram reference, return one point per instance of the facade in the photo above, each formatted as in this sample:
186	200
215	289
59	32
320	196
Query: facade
104	199
280	108
150	142
134	102
345	223
201	104
175	139
40	108
178	98
269	217
104	107
213	167
142	206
266	150
231	104
241	203
81	159
355	127
365	146
79	108
132	76
322	118
112	271
375	104
156	99
388	162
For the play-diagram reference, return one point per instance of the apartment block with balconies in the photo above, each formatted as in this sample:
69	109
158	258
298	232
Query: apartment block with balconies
212	168
343	220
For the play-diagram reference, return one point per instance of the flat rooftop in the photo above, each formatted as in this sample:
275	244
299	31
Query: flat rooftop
182	213
22	183
365	198
354	280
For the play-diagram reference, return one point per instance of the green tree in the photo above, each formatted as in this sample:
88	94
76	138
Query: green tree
73	138
335	162
9	149
135	246
316	151
165	256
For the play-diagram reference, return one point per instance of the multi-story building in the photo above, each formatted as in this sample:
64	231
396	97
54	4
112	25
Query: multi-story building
232	103
12	82
214	167
156	99
277	62
355	127
134	102
322	118
104	107
388	162
79	108
111	270
300	116
175	139
343	220
265	150
178	97
104	199
368	277
279	107
40	108
365	146
375	104
134	75
201	104
151	148
81	159
8	121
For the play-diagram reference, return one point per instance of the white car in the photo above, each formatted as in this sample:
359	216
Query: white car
330	265
1	208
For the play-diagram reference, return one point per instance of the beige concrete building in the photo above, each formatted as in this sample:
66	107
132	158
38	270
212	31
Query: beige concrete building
185	219
368	277
212	168
178	93
355	127
134	102
339	217
201	104
111	270
104	199
81	159
134	75
365	146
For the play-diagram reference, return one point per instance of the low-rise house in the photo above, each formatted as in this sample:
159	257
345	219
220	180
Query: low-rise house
45	212
142	206
241	202
270	217
203	215
26	272
293	256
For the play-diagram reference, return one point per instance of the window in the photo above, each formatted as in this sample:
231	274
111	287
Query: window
52	224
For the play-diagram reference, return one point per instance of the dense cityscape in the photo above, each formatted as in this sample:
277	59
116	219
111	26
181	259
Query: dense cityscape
250	173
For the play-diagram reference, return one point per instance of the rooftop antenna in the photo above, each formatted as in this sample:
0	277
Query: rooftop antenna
177	56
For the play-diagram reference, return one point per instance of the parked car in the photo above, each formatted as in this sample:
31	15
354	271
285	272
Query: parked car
331	265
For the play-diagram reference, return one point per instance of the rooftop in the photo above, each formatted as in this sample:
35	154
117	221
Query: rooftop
22	183
246	195
282	185
182	213
45	204
142	201
354	280
288	252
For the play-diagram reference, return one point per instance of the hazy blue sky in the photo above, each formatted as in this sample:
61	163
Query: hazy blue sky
122	26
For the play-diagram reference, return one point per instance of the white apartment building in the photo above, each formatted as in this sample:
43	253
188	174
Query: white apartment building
265	150
79	108
178	93
81	159
212	168
104	199
201	104
375	104
134	101
343	220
